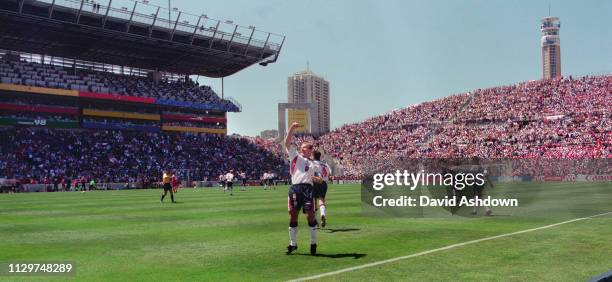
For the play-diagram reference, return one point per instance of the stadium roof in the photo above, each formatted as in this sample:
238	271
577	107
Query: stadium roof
142	35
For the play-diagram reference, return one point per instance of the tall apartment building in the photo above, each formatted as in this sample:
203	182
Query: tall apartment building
307	87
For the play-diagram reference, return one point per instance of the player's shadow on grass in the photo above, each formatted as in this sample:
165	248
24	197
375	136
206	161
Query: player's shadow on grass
334	230
337	256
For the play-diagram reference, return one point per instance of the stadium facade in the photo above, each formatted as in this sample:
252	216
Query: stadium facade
102	91
112	67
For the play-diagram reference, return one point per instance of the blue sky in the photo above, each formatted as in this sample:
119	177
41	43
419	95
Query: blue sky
387	54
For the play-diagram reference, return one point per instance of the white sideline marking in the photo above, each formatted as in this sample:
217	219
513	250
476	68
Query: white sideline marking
440	249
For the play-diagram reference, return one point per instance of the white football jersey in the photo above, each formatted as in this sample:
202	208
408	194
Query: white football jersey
299	167
229	177
322	169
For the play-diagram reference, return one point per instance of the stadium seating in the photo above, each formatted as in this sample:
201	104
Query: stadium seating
561	118
549	119
32	154
177	93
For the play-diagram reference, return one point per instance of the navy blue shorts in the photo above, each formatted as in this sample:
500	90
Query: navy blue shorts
319	190
300	197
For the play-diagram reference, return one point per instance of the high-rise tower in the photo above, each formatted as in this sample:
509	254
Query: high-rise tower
307	87
551	47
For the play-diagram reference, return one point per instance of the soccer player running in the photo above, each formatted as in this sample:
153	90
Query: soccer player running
229	181
167	184
300	193
222	181
322	170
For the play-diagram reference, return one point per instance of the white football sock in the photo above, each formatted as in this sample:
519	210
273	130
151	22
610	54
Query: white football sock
293	236
313	235
322	209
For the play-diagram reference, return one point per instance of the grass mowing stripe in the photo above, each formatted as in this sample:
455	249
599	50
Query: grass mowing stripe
441	249
210	236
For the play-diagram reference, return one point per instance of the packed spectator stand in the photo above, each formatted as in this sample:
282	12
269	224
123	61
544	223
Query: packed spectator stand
187	93
91	100
33	154
564	118
115	128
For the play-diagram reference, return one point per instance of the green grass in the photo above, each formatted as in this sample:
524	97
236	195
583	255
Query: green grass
208	235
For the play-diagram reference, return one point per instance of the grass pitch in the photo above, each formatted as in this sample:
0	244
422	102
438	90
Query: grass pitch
209	235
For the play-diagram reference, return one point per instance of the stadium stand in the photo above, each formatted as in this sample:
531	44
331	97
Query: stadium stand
101	92
126	136
561	118
90	83
33	154
125	111
536	124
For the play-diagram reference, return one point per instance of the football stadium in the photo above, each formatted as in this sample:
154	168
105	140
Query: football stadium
119	160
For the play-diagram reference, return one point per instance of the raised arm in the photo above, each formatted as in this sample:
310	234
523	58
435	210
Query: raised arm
289	136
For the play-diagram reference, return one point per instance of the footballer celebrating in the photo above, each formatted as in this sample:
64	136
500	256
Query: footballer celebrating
300	193
322	170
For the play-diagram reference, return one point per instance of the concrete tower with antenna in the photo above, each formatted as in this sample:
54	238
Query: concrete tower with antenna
551	47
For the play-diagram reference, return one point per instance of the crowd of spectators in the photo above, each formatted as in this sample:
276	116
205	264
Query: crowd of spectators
547	119
541	98
585	135
270	145
118	156
51	76
540	120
